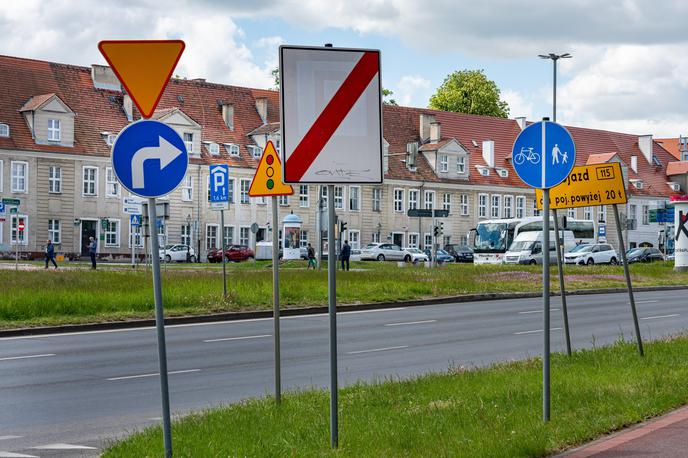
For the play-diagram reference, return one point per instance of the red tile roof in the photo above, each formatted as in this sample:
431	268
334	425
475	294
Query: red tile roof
671	145
36	101
599	158
677	168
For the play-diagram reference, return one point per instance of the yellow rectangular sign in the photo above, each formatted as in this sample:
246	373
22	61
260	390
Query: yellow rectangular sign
587	186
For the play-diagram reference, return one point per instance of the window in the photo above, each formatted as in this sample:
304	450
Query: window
323	196
427	240
54	232
245	185
571	213
463	203
446	202
354	239
19	237
243	235
413	240
444	163
508	207
375	238
303	240
303	196
4	130
256	151
633	211
54	179
90	181
646	214
602	214
399	200
232	149
54	130
111	183
188	141
355	198
210	236
536	212
230	190
496	206
339	197
413	199
186	234
135	236
377	199
214	149
187	189
20	171
429	197
482	205
283	200
228	235
112	233
520	206
587	213
2	171
461	164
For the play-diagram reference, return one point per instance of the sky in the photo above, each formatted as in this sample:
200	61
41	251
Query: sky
629	70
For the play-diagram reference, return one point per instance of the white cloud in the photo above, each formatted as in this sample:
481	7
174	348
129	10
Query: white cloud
518	105
412	90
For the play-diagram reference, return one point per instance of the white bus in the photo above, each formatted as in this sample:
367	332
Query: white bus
492	238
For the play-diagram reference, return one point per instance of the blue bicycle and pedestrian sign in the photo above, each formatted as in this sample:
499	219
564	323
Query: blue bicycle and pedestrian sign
149	158
543	154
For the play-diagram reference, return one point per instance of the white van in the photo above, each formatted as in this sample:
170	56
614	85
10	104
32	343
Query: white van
527	247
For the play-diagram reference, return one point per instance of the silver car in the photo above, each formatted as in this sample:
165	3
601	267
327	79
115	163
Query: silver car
415	255
383	252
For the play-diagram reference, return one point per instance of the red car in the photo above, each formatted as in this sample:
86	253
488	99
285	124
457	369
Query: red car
234	253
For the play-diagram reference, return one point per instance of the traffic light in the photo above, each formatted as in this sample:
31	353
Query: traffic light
441	227
436	231
342	226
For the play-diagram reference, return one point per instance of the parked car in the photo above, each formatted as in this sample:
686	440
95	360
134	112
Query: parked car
461	253
177	253
644	254
233	253
382	252
415	255
355	255
597	253
443	256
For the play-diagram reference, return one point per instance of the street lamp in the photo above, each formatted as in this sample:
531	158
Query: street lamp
555	58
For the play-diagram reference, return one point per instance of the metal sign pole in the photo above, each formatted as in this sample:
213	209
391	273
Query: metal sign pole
276	300
332	307
224	258
160	326
628	281
560	239
545	300
133	246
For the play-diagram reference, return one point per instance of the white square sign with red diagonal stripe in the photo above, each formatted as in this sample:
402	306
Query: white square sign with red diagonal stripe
331	124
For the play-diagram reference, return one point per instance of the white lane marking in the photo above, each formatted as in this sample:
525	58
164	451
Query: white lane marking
534	331
535	311
238	338
408	323
660	316
644	302
353	312
63	447
12	358
155	419
4	438
376	349
15	455
127	377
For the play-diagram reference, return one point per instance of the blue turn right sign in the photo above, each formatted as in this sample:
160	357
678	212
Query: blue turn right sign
543	154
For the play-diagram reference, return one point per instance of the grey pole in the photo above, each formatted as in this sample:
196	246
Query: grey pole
332	307
560	239
545	300
224	261
160	326
276	299
622	247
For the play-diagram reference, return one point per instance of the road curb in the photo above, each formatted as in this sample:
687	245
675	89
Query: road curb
236	316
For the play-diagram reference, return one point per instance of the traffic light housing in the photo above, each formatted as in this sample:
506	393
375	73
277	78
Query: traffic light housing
441	228
436	231
342	226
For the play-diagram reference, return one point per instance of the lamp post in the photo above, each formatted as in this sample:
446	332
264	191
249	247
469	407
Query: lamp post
554	58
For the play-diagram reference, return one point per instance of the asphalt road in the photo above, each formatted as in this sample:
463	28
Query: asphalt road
58	392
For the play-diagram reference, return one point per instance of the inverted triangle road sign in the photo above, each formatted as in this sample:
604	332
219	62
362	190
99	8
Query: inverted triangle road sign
268	178
144	68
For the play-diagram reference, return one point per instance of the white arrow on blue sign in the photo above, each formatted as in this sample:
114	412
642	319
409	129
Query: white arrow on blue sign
135	220
149	158
543	154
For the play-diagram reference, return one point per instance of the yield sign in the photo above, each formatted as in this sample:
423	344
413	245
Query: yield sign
268	178
331	115
144	68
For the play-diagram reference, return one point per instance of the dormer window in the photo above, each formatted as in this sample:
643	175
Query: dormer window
444	163
54	130
256	151
637	183
188	141
503	173
674	186
109	138
232	149
4	130
461	164
484	171
213	148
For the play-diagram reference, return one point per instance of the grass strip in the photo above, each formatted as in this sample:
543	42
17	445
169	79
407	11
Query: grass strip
483	412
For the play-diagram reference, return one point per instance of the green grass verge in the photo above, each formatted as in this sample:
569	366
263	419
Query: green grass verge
489	412
51	297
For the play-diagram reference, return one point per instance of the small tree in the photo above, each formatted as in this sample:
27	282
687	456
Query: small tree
469	91
386	97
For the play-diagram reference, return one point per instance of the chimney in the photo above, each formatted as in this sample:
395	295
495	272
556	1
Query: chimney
262	108
128	107
411	154
521	121
488	153
435	132
634	164
645	145
104	78
425	120
228	115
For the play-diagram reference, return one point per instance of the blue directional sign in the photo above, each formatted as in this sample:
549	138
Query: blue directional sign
149	158
543	159
219	183
135	220
2	208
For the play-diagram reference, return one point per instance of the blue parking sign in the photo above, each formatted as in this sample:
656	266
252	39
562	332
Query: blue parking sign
219	183
543	154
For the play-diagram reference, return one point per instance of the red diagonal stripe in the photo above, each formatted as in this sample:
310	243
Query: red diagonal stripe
332	116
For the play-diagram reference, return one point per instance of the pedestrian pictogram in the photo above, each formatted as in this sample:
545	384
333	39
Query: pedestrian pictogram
144	68
135	220
268	178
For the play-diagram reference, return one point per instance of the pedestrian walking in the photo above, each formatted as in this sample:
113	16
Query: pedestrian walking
346	254
92	249
50	254
311	257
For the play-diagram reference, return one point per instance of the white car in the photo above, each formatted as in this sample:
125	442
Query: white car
177	253
598	253
383	252
415	255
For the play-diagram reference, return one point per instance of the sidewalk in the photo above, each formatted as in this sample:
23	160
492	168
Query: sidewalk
664	437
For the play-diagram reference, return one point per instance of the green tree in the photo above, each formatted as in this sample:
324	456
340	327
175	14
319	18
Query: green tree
386	97
275	75
469	91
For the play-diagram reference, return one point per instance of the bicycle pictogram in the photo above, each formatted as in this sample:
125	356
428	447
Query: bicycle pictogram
527	154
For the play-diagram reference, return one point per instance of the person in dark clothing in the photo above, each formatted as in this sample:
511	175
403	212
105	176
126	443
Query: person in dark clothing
311	257
92	249
346	254
50	254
